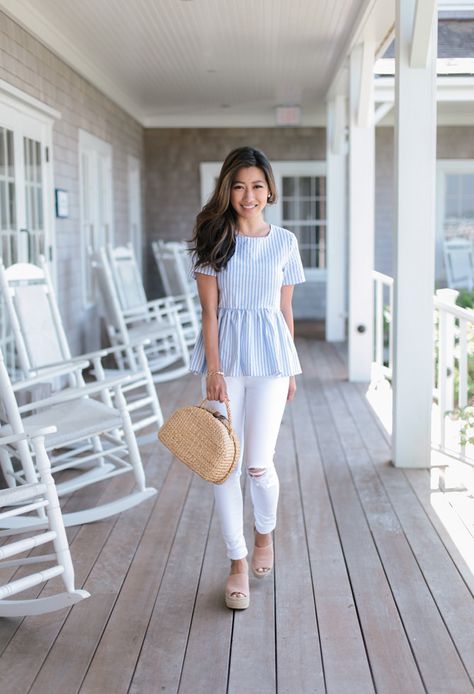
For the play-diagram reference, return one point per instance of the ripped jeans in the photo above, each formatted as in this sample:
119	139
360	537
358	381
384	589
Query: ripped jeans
257	404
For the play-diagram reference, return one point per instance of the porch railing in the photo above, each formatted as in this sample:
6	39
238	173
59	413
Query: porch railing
453	351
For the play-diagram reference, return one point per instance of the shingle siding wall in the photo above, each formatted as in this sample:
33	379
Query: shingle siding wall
28	65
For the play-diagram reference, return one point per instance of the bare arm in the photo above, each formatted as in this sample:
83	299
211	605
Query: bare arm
286	308
209	296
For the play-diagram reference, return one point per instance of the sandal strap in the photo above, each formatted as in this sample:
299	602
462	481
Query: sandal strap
263	556
237	583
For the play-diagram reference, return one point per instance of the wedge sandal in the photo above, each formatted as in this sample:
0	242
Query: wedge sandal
237	583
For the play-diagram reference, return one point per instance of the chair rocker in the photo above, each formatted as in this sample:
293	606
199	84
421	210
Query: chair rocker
16	503
173	262
92	441
41	342
130	317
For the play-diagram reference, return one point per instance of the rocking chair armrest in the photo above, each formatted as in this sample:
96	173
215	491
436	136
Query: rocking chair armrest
70	394
101	353
162	306
83	361
23	436
49	371
178	298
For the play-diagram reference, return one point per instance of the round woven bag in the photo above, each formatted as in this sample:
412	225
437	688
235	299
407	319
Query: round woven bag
204	440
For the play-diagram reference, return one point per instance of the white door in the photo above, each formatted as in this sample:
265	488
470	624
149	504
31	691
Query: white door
95	164
26	195
135	207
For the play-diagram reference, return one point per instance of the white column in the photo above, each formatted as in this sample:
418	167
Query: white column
361	212
336	151
415	167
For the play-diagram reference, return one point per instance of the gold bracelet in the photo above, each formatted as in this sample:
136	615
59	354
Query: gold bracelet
215	373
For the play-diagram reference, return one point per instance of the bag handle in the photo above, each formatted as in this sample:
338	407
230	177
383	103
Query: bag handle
227	407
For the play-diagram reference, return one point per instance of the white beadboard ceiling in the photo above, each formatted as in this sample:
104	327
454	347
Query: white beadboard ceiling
201	62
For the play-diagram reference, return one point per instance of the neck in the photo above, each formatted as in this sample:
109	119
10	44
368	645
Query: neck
252	227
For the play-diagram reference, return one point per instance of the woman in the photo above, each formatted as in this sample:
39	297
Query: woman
246	270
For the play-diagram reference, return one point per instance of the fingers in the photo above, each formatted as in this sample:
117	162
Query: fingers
217	394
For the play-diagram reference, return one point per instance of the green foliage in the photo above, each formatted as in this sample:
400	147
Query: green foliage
466	415
465	298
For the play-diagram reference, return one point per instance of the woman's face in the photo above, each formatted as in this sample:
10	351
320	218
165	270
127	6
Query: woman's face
249	192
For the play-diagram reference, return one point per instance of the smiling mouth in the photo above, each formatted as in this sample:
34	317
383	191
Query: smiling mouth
249	207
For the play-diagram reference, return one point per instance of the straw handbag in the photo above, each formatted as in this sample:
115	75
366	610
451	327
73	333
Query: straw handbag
204	440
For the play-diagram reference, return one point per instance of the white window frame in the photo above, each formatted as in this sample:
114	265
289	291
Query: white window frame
94	148
273	213
443	167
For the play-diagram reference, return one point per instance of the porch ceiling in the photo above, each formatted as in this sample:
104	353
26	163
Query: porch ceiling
191	62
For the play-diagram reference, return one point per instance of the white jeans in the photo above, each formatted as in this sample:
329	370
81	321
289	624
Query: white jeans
257	404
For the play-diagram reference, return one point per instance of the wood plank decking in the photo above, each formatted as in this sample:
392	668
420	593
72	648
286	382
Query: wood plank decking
370	592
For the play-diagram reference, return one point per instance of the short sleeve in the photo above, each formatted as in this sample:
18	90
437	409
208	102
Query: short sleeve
202	269
293	272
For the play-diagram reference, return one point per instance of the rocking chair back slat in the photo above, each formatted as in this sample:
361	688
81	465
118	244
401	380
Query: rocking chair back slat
130	317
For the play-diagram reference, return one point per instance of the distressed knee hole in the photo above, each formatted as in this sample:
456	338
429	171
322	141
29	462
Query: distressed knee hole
264	477
256	471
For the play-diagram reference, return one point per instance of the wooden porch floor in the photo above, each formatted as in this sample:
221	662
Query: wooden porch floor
370	592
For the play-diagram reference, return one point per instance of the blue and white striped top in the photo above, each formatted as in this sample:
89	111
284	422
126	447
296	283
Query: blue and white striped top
254	339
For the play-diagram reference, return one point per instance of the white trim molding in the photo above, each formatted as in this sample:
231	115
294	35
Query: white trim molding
15	97
447	88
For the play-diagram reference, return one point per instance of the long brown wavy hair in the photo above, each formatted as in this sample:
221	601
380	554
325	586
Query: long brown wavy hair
213	241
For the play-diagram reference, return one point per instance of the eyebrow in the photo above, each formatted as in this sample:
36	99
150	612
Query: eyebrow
260	180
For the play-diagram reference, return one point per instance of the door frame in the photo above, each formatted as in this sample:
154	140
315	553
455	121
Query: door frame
94	147
135	203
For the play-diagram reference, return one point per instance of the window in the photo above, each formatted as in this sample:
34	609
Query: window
455	205
459	205
304	213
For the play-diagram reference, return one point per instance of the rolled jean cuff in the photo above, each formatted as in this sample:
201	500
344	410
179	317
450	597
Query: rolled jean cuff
237	552
264	528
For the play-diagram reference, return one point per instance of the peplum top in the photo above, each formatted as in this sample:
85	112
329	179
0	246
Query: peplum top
254	339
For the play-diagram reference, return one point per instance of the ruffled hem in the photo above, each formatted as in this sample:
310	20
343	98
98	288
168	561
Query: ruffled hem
252	342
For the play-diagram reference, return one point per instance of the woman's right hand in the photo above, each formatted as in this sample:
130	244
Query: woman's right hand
216	388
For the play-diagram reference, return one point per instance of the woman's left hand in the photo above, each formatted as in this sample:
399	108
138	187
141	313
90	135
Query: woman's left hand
291	388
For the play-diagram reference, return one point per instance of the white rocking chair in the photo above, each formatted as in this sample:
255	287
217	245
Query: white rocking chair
16	503
459	263
41	341
130	317
92	441
174	264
